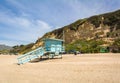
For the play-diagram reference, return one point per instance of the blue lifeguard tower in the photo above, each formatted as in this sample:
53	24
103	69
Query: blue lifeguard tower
51	47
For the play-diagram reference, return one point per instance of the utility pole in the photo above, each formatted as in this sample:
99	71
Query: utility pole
63	35
63	39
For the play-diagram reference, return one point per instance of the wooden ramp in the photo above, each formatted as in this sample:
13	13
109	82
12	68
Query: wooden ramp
31	55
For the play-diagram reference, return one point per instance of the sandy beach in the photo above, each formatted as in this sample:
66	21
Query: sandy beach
83	68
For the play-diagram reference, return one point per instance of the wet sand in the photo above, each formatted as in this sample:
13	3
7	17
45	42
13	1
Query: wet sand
83	68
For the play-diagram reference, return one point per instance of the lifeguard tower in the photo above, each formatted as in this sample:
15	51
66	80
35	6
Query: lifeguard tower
51	47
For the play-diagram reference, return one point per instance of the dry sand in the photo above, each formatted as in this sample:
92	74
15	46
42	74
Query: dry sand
84	68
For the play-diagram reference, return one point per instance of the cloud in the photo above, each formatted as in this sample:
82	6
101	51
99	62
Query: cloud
84	9
23	29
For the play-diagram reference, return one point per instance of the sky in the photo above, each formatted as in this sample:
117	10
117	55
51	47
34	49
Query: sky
24	21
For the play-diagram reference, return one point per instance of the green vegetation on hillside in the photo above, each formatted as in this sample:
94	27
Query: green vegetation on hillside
85	46
22	48
110	19
116	46
4	51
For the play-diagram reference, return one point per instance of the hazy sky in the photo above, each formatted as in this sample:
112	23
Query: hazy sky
23	21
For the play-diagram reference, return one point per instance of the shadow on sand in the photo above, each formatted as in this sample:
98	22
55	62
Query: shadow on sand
42	59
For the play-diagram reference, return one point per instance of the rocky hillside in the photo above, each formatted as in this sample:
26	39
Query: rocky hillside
104	27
